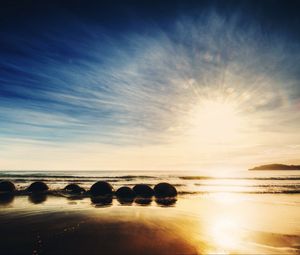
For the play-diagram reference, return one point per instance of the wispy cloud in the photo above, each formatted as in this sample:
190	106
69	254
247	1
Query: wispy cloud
138	89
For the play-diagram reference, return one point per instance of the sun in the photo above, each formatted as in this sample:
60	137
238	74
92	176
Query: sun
214	121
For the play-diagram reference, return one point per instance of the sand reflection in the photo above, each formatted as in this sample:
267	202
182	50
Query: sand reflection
208	224
226	234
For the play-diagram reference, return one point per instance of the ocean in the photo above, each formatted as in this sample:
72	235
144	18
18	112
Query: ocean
186	182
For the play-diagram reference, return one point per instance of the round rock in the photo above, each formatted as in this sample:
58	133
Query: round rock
102	201
37	198
165	189
125	192
165	202
7	186
143	201
143	190
101	188
37	187
6	198
74	188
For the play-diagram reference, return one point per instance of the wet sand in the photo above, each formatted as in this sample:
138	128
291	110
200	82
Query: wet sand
206	224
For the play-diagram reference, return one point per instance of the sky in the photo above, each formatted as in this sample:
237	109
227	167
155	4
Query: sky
149	85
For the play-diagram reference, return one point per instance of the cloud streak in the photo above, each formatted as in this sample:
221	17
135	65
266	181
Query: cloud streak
84	86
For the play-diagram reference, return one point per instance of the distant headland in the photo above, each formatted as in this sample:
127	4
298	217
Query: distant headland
276	167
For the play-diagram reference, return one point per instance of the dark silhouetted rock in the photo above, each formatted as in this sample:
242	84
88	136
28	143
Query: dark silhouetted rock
7	186
125	200
165	190
37	198
101	188
37	187
125	192
125	195
143	201
166	202
102	201
6	198
74	189
143	190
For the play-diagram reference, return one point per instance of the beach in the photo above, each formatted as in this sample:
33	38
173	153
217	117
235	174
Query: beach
220	223
151	127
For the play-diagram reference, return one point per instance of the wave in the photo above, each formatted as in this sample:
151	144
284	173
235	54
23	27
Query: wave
239	192
7	175
295	186
56	191
134	177
297	178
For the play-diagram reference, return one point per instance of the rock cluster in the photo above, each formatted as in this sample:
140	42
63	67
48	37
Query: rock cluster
100	192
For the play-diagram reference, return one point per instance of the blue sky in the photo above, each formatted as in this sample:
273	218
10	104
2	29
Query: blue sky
136	86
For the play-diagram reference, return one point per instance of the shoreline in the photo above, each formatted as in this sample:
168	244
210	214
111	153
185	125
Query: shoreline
207	224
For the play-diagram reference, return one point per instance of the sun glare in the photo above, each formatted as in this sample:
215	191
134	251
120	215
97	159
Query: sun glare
214	121
225	232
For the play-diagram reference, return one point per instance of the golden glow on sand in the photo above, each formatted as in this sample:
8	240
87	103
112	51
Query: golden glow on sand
225	232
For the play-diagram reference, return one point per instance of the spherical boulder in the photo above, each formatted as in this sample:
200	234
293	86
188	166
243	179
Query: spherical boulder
125	192
38	187
74	188
101	188
166	202
143	201
37	197
102	201
165	189
6	198
7	186
143	190
125	200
